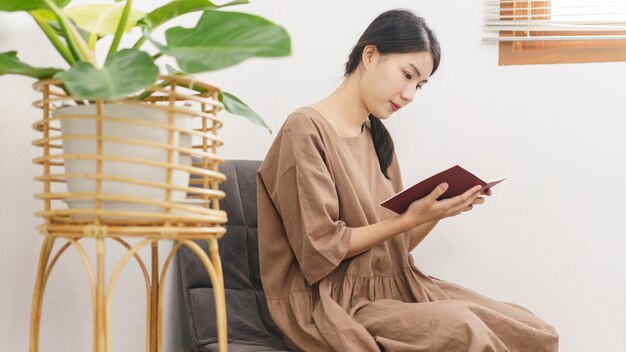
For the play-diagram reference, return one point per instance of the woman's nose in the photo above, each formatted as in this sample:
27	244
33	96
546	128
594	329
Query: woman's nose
408	94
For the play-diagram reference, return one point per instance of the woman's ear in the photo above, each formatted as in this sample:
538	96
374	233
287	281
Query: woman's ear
369	56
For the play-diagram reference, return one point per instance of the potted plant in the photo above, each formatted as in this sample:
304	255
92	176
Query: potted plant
218	40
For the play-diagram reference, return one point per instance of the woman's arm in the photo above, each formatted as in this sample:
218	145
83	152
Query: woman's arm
420	232
420	212
366	237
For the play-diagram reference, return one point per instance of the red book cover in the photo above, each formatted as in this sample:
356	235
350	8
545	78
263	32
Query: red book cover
458	179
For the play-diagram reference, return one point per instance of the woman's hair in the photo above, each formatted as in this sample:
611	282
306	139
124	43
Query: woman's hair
394	31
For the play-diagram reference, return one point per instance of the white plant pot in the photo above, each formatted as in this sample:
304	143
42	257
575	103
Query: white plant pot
78	126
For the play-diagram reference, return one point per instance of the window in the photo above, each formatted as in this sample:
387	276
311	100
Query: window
557	31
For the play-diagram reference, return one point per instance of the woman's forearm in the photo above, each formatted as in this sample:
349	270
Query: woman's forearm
366	237
420	232
420	212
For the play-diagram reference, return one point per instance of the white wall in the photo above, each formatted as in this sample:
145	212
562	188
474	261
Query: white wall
551	238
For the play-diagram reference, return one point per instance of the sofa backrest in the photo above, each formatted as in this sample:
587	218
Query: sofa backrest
249	320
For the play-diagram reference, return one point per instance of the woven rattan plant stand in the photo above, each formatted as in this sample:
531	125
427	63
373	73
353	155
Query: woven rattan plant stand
198	217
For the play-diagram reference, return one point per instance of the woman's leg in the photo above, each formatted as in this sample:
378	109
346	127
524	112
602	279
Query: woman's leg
449	325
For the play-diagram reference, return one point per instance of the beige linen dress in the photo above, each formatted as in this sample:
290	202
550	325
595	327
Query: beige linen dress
313	188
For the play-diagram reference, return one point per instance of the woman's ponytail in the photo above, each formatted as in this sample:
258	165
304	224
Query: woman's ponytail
383	143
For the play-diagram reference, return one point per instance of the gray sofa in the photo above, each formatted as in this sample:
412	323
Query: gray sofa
250	327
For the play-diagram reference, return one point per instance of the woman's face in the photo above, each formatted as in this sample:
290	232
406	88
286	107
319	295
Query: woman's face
389	82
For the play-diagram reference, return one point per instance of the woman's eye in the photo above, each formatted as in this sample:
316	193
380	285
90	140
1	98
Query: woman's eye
418	87
407	75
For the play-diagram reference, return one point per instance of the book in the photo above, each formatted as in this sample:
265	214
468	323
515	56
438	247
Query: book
458	179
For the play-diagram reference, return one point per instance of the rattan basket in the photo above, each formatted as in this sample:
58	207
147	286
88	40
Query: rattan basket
144	168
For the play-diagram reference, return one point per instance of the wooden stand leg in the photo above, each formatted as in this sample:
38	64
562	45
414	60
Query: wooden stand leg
160	295
35	319
102	293
220	306
155	343
100	325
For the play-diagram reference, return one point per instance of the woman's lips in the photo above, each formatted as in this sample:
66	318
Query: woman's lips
394	106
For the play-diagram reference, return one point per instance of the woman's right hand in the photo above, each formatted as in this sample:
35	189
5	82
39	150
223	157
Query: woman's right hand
430	209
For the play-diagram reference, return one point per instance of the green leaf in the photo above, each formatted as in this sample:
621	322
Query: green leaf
180	7
223	39
10	64
102	19
235	106
27	5
123	73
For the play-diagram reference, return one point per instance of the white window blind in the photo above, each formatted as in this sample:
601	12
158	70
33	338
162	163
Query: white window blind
521	21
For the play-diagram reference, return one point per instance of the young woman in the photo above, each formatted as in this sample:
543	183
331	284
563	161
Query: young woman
335	266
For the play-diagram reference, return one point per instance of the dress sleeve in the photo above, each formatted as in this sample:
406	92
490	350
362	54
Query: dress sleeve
307	200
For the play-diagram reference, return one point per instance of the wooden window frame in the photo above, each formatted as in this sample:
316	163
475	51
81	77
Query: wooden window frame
555	52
